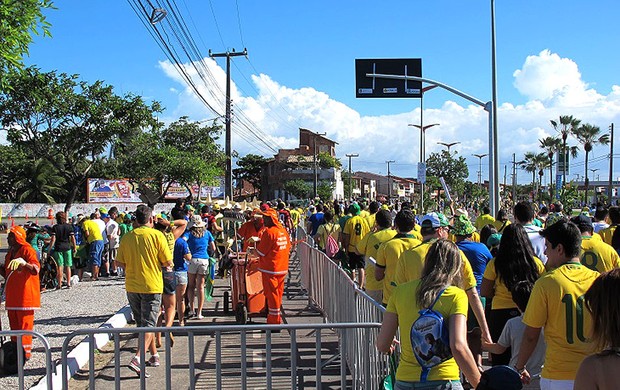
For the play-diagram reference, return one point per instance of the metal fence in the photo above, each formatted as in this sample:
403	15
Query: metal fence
331	291
193	332
20	353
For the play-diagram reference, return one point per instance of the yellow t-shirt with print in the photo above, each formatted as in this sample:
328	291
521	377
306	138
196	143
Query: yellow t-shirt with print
387	258
607	233
368	247
356	227
502	298
370	220
484	219
329	228
597	255
403	303
143	251
94	233
411	262
295	215
557	305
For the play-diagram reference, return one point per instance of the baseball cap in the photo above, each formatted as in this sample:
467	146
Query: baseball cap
354	209
434	220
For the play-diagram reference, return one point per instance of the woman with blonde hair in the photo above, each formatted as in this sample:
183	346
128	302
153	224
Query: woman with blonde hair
435	289
600	371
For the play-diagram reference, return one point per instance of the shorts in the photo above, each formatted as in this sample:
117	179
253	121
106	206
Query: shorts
430	385
198	266
356	261
556	384
170	282
95	251
181	277
145	308
63	259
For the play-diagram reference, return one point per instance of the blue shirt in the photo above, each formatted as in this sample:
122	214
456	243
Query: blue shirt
478	255
317	220
180	250
199	245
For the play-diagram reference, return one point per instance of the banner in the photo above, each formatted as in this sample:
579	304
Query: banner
112	191
178	191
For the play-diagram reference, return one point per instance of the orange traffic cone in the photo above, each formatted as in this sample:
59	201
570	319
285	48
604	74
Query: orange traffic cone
12	222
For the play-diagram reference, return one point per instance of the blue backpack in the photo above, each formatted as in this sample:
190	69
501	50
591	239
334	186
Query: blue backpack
430	339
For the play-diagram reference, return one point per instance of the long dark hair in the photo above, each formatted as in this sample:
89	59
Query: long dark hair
515	258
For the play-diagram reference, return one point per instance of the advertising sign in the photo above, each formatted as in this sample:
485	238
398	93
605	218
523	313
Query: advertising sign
112	191
178	191
422	172
374	87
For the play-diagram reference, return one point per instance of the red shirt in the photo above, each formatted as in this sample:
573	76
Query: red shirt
23	290
274	248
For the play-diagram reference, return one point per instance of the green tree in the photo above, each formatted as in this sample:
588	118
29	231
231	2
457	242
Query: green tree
250	169
325	190
19	19
14	162
183	152
67	122
566	125
451	167
40	183
590	136
327	161
551	146
298	188
534	163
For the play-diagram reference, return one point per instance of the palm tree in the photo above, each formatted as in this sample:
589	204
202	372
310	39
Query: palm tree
550	145
40	183
589	136
533	163
565	126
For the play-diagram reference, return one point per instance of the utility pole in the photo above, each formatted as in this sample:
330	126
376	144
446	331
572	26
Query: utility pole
316	160
389	180
350	156
480	157
514	178
610	193
228	179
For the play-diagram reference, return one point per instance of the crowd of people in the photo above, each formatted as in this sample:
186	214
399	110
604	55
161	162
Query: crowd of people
531	286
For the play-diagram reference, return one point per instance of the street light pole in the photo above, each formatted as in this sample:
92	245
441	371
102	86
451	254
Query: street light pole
448	145
480	156
389	180
350	156
423	142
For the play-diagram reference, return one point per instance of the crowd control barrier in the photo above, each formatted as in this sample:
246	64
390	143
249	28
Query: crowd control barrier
217	332
331	291
20	354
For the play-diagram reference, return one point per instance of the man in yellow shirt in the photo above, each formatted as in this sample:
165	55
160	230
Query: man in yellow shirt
614	217
94	237
389	252
354	230
409	267
369	246
373	208
143	253
557	305
595	254
485	219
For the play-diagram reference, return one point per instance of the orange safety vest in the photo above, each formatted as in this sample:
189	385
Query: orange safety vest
22	288
274	248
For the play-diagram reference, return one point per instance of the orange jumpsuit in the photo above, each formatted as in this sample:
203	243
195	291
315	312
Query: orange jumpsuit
273	248
22	289
248	230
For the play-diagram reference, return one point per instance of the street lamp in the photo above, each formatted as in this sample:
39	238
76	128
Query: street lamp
594	172
480	156
350	156
423	129
448	145
389	180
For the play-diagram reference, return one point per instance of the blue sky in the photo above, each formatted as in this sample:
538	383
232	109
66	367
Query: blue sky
554	58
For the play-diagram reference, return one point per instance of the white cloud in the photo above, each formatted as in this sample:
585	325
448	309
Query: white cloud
552	84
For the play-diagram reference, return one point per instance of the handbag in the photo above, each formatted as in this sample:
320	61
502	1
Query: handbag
389	381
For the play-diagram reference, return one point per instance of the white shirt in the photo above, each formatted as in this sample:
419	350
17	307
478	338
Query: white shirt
598	226
101	224
113	232
538	241
511	336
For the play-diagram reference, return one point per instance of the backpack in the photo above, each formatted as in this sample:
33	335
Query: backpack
331	245
430	339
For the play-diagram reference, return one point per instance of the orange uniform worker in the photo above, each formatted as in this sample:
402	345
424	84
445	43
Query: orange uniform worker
273	248
251	228
23	296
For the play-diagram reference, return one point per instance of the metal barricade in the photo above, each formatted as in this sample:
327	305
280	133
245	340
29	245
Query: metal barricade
335	295
347	377
20	354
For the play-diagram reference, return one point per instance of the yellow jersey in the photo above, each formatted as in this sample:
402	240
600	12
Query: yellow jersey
475	237
387	258
500	225
502	298
370	220
403	303
295	216
411	262
597	255
483	220
369	246
94	233
356	227
557	305
607	233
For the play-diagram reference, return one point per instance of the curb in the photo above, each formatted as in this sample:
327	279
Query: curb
78	356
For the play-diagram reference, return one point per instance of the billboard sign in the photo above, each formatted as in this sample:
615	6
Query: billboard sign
374	87
112	191
178	191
